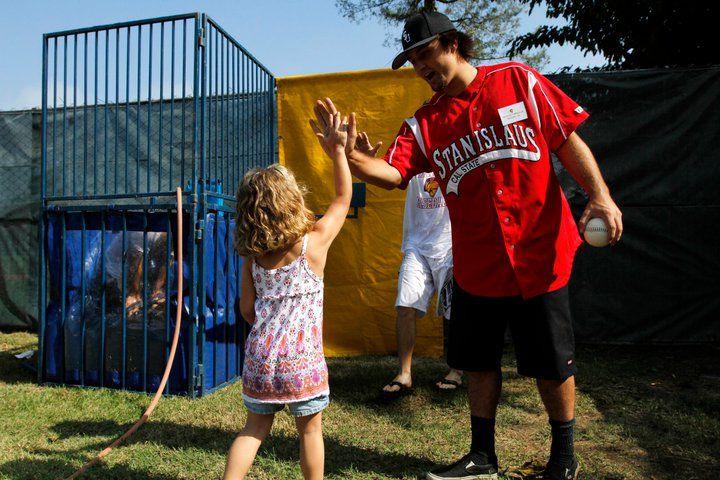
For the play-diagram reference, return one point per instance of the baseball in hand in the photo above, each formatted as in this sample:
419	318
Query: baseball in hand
596	233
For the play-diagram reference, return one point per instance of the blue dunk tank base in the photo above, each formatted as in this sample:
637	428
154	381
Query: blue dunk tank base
109	322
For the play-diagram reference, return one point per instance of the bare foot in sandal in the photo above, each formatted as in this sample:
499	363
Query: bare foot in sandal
451	381
401	385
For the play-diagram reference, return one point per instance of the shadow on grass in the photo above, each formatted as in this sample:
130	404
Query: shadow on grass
340	457
14	370
665	399
357	382
44	469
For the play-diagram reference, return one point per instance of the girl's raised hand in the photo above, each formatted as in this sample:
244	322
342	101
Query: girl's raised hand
330	129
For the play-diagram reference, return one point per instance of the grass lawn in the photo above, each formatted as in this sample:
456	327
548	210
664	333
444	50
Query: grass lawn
642	414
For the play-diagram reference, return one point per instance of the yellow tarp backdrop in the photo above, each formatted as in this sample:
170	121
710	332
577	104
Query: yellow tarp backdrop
362	268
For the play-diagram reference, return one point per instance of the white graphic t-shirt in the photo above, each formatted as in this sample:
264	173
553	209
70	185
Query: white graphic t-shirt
426	224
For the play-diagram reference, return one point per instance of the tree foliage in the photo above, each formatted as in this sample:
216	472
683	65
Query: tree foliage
630	34
492	24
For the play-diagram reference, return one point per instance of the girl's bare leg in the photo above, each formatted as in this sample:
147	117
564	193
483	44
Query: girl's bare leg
244	448
312	448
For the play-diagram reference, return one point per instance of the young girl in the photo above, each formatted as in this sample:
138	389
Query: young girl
282	297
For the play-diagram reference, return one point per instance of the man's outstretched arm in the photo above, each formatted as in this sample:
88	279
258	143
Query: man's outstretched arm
577	159
373	170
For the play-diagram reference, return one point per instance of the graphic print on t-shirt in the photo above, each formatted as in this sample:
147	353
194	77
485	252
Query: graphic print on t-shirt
426	225
431	186
432	199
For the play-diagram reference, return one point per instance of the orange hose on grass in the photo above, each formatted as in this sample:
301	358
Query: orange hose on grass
171	357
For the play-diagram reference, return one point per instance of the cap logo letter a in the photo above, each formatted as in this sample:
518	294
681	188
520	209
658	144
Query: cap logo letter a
406	36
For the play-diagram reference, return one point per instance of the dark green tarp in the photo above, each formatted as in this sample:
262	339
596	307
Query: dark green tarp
19	196
655	134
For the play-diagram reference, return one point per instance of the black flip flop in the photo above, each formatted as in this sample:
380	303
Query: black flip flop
402	391
444	381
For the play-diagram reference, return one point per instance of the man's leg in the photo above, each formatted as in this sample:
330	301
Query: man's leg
484	391
415	287
405	325
453	378
475	347
481	462
545	347
443	280
558	396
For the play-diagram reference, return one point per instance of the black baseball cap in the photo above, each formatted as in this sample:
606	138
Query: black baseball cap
421	29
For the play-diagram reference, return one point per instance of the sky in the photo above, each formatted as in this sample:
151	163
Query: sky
289	37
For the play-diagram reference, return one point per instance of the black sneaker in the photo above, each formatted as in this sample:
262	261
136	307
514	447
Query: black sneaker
552	472
472	466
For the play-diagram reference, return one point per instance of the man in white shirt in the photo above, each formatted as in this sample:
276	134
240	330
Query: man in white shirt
426	269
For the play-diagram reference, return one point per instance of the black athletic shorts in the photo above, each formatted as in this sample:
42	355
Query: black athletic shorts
541	329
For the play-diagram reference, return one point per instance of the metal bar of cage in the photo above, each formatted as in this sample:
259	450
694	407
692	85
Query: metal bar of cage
103	299
85	102
215	297
123	358
149	106
168	266
82	305
41	222
199	296
54	135
112	26
145	303
94	140
160	106
105	113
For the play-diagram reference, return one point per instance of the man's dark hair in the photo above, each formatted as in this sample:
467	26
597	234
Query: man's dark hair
465	44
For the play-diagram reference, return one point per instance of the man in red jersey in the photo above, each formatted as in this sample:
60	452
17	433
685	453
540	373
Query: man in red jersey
487	134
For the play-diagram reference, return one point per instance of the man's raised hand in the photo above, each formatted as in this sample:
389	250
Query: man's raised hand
363	145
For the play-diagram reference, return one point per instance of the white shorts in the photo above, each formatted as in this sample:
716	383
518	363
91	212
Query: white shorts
420	277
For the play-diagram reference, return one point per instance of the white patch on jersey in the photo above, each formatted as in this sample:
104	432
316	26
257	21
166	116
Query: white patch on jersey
531	96
578	109
552	107
392	152
415	129
512	113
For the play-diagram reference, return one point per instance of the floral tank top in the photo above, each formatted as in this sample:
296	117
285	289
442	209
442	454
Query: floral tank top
284	360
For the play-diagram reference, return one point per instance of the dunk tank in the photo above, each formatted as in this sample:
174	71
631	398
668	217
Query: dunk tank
131	111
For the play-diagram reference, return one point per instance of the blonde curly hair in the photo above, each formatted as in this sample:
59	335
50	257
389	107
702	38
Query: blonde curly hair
271	212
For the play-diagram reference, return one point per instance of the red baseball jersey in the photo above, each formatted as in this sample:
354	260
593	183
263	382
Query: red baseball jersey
489	147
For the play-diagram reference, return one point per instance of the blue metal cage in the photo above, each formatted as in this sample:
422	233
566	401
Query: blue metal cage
130	111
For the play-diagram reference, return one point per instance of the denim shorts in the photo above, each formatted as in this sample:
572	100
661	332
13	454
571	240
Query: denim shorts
297	409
